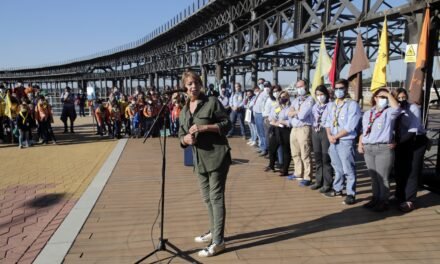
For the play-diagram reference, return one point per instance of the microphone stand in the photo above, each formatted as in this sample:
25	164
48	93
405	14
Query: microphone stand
163	242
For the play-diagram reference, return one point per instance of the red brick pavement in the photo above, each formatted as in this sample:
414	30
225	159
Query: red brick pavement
28	218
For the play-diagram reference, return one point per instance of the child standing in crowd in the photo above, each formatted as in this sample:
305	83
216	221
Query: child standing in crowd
342	120
44	117
115	117
125	124
130	112
24	126
102	118
175	112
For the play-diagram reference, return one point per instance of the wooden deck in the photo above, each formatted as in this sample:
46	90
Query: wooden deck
269	219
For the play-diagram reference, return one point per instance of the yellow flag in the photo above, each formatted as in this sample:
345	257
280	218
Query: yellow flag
8	105
322	66
380	68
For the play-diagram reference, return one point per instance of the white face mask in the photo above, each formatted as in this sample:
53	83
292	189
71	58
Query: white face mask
383	102
261	86
276	94
321	98
301	91
267	89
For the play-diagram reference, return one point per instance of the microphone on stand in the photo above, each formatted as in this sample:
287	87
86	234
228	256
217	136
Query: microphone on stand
183	90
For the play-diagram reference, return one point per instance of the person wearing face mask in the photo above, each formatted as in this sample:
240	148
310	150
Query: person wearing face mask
224	97
341	127
249	103
410	137
271	104
237	110
301	120
279	137
323	176
258	109
376	143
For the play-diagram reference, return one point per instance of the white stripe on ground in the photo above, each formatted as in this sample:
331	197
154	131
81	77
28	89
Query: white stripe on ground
61	241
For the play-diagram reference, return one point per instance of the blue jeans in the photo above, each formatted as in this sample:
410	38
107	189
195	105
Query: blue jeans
253	130
239	114
259	122
342	159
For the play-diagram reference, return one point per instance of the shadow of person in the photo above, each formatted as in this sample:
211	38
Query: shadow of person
46	200
349	217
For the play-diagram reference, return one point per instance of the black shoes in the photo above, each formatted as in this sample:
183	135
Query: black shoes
263	153
333	193
269	168
350	199
315	187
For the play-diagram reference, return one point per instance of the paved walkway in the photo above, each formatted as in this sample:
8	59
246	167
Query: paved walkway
40	185
269	219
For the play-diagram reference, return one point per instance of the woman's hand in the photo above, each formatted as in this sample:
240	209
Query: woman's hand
361	148
291	113
392	145
197	129
189	139
332	139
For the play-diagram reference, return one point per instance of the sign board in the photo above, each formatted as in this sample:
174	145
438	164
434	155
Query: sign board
411	53
90	93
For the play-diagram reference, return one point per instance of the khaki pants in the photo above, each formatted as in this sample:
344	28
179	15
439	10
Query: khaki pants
301	148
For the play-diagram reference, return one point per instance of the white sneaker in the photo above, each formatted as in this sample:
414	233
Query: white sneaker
253	143
205	238
212	250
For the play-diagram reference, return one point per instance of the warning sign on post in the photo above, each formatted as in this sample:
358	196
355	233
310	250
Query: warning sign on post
411	53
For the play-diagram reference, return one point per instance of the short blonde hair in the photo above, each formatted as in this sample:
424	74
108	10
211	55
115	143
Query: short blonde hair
194	76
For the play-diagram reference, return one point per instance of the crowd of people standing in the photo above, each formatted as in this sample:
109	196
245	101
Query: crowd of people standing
327	124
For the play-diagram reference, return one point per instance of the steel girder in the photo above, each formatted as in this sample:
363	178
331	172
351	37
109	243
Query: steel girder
258	27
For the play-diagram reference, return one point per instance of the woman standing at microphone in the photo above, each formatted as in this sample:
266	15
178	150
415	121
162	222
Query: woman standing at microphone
204	124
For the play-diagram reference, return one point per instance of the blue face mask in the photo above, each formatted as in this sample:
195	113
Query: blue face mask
339	93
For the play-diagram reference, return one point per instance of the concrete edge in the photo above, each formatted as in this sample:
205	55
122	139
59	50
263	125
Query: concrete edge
59	244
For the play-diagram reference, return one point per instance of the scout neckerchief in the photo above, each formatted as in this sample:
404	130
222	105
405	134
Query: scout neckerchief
372	119
337	111
24	117
320	109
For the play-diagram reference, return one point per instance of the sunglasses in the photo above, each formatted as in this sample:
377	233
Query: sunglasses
339	88
382	96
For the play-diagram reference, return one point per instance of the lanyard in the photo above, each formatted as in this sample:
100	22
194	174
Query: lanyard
337	111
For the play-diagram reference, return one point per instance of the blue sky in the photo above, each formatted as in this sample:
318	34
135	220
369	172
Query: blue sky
46	31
